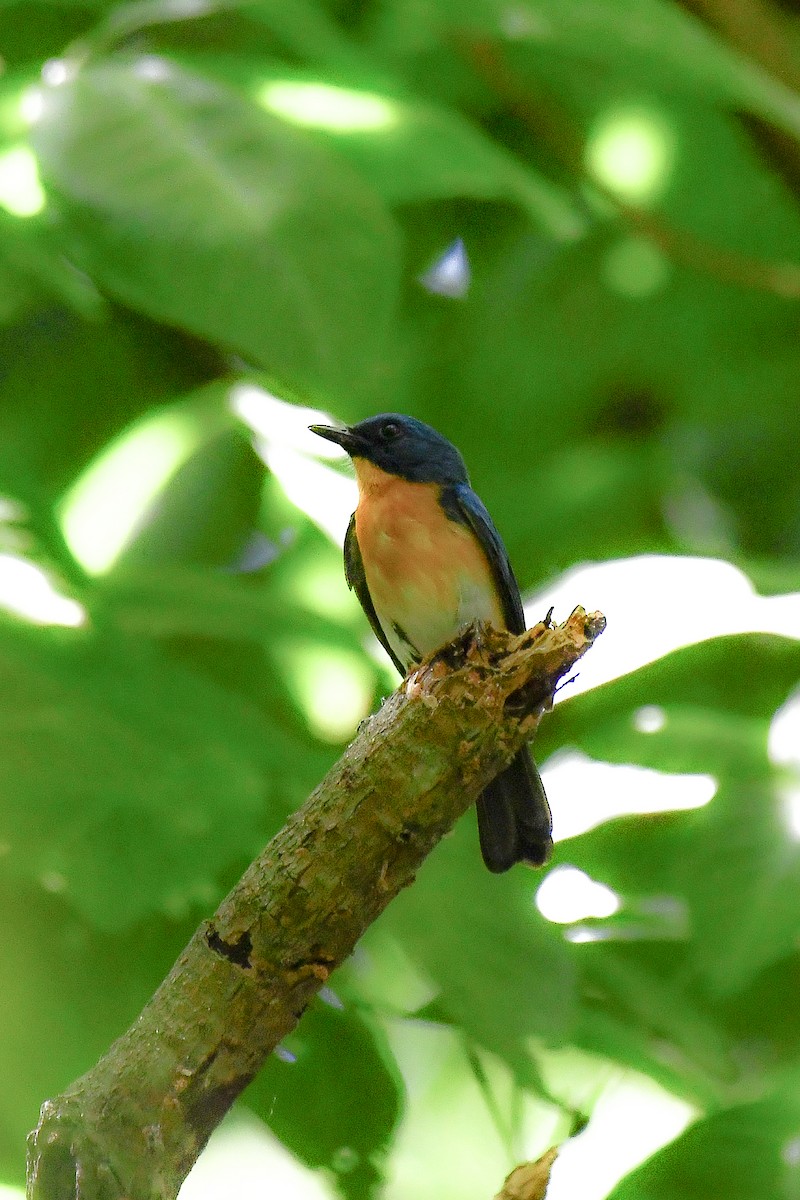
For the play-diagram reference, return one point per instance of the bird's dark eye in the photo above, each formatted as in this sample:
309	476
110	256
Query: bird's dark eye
390	431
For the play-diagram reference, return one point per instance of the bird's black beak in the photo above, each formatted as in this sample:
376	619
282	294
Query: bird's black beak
342	437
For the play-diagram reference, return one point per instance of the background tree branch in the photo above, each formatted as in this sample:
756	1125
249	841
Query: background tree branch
765	34
134	1124
551	124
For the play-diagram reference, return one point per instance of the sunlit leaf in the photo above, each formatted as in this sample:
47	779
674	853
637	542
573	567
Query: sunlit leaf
408	150
191	204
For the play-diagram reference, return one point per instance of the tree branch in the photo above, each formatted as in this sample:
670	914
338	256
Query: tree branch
763	33
529	1180
756	29
133	1125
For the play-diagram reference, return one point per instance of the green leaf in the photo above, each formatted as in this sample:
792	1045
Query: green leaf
203	603
312	1095
630	434
34	253
619	1038
302	26
85	381
725	877
187	202
68	990
503	974
741	874
129	783
764	1019
708	676
206	511
741	1153
641	1007
409	150
692	739
734	864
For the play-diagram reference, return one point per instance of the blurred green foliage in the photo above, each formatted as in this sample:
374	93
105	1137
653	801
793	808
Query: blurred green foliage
197	197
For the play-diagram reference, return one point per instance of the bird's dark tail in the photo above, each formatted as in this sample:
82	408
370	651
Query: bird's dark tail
514	822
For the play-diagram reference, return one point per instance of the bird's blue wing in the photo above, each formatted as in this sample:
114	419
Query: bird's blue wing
357	582
462	504
514	819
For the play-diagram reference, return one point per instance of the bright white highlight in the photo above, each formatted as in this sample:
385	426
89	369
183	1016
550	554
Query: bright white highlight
57	71
631	152
31	105
326	497
583	934
244	1160
585	793
790	1152
649	719
21	192
450	274
567	895
790	798
281	423
11	510
323	106
290	450
783	743
26	591
103	509
153	69
655	604
632	1119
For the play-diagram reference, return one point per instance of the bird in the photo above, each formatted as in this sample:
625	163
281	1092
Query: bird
425	560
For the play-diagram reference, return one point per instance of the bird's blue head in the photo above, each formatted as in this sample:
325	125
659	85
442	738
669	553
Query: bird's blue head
400	445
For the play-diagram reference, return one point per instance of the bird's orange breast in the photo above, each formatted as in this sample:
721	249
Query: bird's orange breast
427	575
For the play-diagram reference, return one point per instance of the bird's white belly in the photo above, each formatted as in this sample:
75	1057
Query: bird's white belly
428	624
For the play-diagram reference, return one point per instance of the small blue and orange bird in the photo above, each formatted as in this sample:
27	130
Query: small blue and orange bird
425	560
